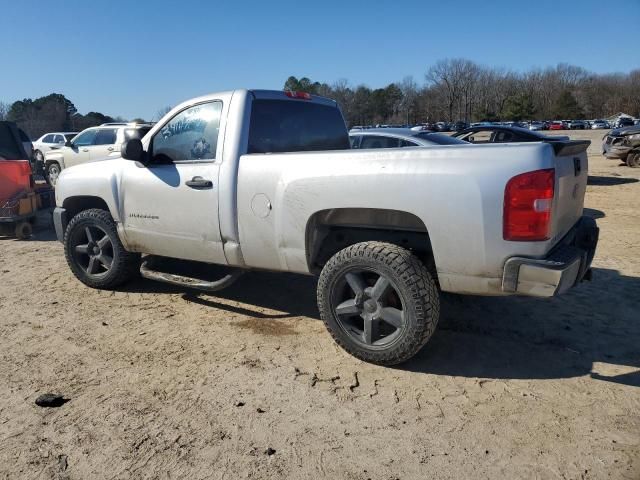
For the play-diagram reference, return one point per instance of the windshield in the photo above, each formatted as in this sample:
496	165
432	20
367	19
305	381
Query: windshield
439	139
294	126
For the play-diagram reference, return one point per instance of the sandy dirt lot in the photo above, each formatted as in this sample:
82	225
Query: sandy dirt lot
168	384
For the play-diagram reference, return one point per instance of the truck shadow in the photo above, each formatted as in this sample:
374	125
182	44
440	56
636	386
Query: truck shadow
527	338
259	295
602	181
487	337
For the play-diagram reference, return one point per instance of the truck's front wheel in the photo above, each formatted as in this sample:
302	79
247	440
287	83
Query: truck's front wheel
378	301
95	253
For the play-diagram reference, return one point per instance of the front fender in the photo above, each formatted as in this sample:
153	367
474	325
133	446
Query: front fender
91	180
50	157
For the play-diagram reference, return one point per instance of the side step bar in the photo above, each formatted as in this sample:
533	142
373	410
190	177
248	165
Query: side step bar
147	271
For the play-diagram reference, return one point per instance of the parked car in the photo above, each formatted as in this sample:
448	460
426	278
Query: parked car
399	137
280	190
599	125
557	125
50	141
623	144
46	143
95	143
536	126
623	122
500	134
458	126
577	125
442	127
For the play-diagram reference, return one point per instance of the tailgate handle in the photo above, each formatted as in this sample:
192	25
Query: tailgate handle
199	182
577	167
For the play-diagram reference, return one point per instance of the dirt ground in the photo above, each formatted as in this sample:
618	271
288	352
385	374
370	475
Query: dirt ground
168	384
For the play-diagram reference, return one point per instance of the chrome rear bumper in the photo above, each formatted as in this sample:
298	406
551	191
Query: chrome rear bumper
566	265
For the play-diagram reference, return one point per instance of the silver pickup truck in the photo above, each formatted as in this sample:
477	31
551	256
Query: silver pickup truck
255	179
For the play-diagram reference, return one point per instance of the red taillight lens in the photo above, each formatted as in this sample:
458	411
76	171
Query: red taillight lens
528	199
301	95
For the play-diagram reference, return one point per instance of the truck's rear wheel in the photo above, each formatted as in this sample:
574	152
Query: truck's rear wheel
378	301
95	253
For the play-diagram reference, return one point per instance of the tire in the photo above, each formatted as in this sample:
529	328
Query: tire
95	253
633	160
396	306
23	230
52	171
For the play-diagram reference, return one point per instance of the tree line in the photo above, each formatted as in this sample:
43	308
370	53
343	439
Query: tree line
453	89
460	89
51	113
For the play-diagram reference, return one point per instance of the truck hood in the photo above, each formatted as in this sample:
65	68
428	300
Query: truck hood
621	132
106	166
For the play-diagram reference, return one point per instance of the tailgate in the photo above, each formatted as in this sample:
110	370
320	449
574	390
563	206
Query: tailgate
571	166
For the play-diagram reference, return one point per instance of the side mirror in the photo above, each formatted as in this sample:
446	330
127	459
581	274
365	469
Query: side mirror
132	150
68	143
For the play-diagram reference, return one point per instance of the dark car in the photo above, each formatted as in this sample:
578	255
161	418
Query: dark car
503	134
458	126
623	144
623	122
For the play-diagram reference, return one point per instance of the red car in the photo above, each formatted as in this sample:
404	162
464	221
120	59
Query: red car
557	126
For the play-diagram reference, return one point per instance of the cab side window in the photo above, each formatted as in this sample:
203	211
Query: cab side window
191	135
503	137
85	138
48	139
375	141
481	136
105	136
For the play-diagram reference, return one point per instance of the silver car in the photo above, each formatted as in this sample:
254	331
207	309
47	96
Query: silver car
398	137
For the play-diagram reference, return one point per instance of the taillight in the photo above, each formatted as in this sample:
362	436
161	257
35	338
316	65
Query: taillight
301	95
528	199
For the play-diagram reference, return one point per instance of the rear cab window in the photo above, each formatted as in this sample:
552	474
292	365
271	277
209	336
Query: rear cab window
278	126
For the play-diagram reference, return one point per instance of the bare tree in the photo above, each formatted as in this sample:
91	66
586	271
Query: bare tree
4	110
161	113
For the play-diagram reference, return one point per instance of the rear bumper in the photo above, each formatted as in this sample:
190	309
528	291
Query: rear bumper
566	265
60	222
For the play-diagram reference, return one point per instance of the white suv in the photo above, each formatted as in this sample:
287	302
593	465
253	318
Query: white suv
95	143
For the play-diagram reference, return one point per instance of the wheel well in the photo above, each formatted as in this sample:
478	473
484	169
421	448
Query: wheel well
329	231
75	205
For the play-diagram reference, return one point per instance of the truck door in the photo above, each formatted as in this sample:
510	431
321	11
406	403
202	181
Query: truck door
170	205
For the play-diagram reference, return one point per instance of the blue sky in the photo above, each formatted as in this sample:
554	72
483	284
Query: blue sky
132	58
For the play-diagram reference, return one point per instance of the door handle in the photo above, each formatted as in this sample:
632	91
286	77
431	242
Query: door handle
85	149
199	182
110	149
